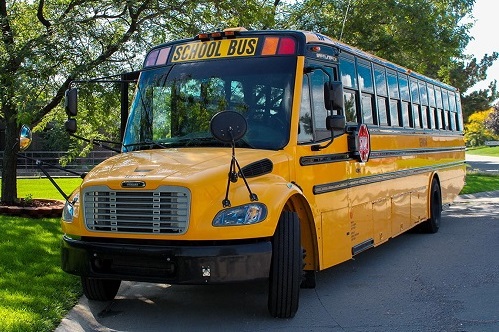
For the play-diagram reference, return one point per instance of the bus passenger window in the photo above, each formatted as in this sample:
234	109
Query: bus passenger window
431	118
380	78
452	121
350	106
383	117
348	73
414	92
424	117
404	88
393	86
438	119
423	93
438	96
394	113
431	96
445	120
365	78
367	109
406	119
417	117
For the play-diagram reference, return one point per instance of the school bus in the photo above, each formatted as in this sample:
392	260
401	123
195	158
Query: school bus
263	155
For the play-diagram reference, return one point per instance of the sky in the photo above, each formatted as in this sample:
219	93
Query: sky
485	37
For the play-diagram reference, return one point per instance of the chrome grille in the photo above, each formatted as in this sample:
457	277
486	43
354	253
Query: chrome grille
162	211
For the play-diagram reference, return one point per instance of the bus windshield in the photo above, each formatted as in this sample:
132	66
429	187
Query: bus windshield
173	105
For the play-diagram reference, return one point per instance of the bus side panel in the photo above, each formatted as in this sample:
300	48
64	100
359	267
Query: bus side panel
382	220
401	213
336	238
452	182
419	203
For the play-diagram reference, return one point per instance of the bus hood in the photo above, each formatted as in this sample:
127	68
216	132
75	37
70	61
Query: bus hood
179	165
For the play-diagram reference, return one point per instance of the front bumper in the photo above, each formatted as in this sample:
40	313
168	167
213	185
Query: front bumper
166	263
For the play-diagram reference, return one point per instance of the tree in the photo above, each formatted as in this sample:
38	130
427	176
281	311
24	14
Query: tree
492	122
46	45
476	132
428	37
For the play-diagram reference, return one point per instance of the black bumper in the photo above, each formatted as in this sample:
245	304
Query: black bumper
173	264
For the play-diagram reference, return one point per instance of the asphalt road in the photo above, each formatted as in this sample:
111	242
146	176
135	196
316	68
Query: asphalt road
484	164
447	281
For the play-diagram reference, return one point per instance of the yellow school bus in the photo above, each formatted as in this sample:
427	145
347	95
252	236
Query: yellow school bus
263	154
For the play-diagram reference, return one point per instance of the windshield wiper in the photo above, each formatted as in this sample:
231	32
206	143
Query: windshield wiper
196	141
147	142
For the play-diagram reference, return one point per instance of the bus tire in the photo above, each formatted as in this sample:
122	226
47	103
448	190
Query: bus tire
286	267
432	225
100	289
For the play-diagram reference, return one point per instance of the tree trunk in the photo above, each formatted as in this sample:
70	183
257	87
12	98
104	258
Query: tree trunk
9	170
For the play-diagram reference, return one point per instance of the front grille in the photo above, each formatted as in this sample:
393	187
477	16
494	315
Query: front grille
162	211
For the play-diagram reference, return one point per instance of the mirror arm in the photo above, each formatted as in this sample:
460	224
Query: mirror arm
98	143
318	147
40	166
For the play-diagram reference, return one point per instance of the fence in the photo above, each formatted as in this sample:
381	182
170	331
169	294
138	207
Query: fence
28	167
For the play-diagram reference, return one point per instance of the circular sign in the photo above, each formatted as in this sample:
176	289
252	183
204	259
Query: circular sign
364	143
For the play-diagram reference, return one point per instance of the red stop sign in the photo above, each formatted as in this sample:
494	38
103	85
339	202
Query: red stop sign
364	143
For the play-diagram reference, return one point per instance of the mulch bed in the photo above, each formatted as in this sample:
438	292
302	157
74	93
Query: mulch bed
34	208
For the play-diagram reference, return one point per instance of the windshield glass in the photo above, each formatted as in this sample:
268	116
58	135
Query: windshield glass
173	105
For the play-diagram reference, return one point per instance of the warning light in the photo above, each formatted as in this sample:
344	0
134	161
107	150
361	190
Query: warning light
279	46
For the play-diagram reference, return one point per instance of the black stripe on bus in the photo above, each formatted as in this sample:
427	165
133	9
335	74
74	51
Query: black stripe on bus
350	183
338	157
324	159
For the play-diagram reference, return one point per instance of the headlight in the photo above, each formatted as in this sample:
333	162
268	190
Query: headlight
241	215
70	209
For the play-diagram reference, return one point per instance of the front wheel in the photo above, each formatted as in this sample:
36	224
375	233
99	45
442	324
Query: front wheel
433	223
100	289
286	267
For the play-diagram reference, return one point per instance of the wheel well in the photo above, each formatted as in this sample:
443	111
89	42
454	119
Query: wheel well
436	178
298	204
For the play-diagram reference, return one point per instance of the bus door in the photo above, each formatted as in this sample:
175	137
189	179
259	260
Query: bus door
358	91
322	171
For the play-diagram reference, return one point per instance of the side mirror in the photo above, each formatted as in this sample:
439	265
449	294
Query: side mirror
335	122
71	102
25	138
333	96
70	126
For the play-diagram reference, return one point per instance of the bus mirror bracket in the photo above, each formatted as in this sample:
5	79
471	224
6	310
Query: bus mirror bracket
229	127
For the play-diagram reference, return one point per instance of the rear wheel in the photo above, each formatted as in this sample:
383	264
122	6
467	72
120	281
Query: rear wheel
433	223
100	289
286	267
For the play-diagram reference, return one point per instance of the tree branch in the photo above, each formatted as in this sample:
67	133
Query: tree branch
40	16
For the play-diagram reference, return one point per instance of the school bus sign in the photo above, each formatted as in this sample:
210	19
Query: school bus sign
215	49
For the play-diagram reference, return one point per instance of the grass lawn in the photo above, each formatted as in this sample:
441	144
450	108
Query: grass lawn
479	182
35	293
485	151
